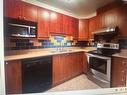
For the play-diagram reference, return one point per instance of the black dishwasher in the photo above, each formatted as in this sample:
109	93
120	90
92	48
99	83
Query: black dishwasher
36	74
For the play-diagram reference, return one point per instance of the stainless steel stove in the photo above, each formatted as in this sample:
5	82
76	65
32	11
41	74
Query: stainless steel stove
100	63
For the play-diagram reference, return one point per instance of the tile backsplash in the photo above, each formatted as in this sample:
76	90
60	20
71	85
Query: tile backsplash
53	42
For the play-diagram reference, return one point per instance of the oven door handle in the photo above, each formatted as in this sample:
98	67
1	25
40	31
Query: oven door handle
97	56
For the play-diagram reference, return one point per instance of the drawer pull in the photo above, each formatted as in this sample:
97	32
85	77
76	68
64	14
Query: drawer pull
124	62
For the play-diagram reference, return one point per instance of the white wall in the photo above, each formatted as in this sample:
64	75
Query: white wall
2	77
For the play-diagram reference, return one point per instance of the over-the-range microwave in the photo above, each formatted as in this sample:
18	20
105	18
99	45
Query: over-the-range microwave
18	28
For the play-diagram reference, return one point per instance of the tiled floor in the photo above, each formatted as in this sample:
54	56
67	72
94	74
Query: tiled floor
78	83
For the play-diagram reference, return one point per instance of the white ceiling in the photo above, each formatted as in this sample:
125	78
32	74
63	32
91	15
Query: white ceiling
77	8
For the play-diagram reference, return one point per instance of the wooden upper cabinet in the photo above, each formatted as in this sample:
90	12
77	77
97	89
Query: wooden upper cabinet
83	29
110	18
12	8
92	26
43	23
29	12
75	28
20	10
119	70
98	22
123	20
55	23
66	25
13	77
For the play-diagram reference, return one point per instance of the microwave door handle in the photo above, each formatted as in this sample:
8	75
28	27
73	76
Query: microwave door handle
19	25
29	30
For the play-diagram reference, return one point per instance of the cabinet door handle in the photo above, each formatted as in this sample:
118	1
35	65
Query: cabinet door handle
19	17
6	63
123	62
123	76
67	53
24	18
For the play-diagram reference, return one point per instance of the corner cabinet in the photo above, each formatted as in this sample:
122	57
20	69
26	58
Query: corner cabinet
66	66
13	77
119	70
83	30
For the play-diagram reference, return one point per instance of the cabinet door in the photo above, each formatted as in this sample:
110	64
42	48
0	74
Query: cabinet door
67	25
55	23
122	20
13	76
75	28
74	64
12	8
118	72
85	64
43	23
79	61
110	18
83	29
66	66
58	70
99	22
29	12
92	27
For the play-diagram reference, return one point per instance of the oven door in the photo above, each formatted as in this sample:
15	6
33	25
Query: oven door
100	66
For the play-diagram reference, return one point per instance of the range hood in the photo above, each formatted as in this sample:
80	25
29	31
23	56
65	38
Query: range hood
107	31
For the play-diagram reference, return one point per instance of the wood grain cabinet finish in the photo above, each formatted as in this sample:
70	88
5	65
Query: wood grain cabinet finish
43	23
122	22
67	21
55	23
119	70
66	66
83	30
20	10
12	8
114	16
85	64
58	69
29	12
13	76
75	28
92	26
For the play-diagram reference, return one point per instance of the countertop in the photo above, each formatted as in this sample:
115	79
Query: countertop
32	53
122	54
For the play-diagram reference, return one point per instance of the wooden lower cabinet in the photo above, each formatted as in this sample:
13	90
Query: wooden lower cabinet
57	70
85	64
119	69
66	66
13	77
